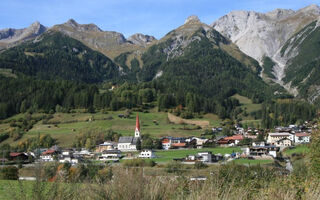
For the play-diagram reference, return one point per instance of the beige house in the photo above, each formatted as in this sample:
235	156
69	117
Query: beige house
284	142
273	138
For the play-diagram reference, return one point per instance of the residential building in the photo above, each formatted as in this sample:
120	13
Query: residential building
112	155
48	155
300	138
273	138
68	157
18	156
147	153
264	151
284	142
166	143
230	141
106	146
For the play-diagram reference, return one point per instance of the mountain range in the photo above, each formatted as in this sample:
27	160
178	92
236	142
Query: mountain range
278	48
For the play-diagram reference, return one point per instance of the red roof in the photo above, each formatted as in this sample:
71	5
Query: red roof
234	137
137	122
15	154
302	134
49	151
178	144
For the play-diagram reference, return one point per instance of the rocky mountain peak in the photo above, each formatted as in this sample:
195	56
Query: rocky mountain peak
72	22
141	39
10	37
193	19
313	8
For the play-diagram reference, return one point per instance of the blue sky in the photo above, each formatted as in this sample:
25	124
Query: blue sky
152	17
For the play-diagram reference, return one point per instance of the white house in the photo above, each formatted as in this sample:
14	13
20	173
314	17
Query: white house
110	155
300	138
146	153
67	157
205	157
48	155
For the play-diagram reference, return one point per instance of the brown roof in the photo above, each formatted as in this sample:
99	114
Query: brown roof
49	151
178	144
16	154
302	134
234	137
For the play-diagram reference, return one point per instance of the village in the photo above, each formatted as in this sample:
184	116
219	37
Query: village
253	146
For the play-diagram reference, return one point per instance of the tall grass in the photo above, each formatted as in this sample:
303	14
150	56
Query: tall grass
226	182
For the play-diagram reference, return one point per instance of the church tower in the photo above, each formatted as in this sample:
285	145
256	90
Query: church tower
137	130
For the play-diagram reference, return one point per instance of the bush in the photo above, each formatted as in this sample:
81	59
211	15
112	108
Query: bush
200	165
9	173
139	163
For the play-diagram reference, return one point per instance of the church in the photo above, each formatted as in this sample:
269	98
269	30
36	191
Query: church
129	143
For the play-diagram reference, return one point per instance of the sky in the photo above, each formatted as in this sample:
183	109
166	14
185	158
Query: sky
151	17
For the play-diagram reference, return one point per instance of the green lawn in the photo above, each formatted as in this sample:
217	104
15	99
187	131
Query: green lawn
165	156
300	149
244	161
247	105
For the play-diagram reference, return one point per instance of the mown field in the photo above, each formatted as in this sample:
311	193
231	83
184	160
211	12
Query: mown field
65	126
300	149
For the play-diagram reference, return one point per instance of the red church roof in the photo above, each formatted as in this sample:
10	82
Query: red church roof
137	122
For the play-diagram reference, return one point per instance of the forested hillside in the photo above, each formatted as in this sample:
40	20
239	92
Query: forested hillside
57	56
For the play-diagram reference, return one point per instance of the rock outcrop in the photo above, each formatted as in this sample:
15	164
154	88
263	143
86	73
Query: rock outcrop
10	37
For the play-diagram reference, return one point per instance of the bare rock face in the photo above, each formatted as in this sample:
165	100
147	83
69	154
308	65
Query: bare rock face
192	20
141	39
264	34
10	37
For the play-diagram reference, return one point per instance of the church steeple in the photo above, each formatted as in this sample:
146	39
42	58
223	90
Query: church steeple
137	130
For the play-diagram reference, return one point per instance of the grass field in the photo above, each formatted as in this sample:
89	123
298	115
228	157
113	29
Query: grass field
300	149
165	156
244	161
65	126
248	106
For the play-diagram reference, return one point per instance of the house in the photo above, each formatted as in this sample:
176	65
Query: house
110	155
48	155
84	153
174	143
284	142
147	153
166	143
264	151
199	142
68	157
129	143
178	143
230	141
273	138
205	157
300	138
106	146
255	144
18	157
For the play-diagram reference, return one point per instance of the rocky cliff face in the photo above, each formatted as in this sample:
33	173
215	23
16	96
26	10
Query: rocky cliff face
10	37
264	34
141	40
